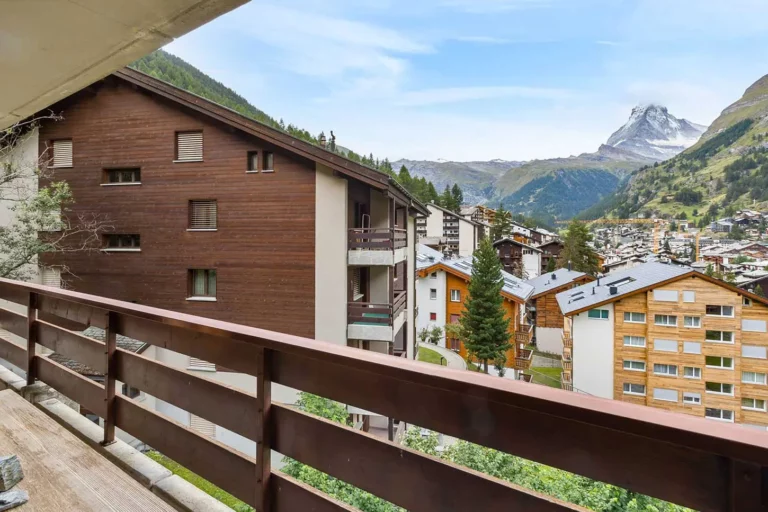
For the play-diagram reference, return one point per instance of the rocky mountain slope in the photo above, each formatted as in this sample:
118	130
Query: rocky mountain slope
725	170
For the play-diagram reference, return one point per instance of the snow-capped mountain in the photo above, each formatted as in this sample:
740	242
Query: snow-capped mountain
653	132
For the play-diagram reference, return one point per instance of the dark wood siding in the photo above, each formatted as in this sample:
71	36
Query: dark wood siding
263	250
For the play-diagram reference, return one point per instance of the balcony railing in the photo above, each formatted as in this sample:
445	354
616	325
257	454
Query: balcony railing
567	341
377	239
567	361
523	359
524	335
376	313
566	381
705	465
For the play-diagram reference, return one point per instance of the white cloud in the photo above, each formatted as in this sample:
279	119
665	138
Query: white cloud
696	102
490	6
460	94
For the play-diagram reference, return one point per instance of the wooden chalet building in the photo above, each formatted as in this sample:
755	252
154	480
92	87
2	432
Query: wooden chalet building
217	215
518	258
550	250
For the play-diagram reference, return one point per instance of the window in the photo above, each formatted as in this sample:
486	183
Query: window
689	296
718	414
691	347
746	301
691	372
130	392
455	296
637	318
691	398
665	345
720	311
202	283
691	321
634	341
719	336
634	389
269	162
601	314
753	404
433	275
666	320
669	370
635	366
753	352
665	295
253	161
122	242
753	378
753	325
668	395
202	214
50	276
357	293
62	153
719	388
725	363
122	176
433	317
433	293
189	146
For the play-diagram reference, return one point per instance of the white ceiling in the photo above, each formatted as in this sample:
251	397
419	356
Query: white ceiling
50	49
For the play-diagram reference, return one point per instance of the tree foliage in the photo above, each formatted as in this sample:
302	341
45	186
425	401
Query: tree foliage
484	321
576	250
502	224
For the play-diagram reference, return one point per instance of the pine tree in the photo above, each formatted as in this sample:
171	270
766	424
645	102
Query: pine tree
483	320
458	197
404	177
432	193
576	250
502	224
446	198
551	265
759	291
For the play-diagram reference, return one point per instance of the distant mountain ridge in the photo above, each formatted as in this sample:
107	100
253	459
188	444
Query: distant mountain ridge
560	188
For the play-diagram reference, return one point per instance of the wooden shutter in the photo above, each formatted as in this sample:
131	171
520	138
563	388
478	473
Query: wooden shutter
51	277
202	214
202	426
199	364
62	153
189	146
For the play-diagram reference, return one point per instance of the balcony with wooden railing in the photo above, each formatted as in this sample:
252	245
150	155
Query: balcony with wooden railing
523	359
566	381
705	465
524	335
567	340
376	246
567	360
376	321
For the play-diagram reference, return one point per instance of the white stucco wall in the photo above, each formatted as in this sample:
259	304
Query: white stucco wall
593	354
549	339
427	306
532	264
435	222
467	238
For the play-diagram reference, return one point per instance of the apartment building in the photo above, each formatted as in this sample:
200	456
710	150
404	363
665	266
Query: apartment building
220	216
479	213
544	311
442	290
671	338
518	258
461	236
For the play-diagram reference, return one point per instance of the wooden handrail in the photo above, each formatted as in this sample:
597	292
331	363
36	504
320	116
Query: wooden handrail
701	464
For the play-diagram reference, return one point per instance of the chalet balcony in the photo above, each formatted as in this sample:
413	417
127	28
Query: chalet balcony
567	360
566	381
376	246
523	359
704	465
524	335
567	340
376	322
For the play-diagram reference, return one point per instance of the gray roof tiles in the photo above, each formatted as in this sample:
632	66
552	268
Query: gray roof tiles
552	280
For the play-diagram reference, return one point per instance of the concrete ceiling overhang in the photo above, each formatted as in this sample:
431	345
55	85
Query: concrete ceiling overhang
50	49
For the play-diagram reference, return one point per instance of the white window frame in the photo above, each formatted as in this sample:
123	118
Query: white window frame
721	384
696	372
721	414
746	302
601	317
755	381
733	337
720	367
694	320
457	296
628	317
656	319
628	341
627	388
629	363
433	275
696	398
721	315
433	294
666	373
754	406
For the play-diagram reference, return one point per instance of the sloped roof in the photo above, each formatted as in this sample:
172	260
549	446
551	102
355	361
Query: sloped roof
515	242
514	288
553	280
123	342
426	256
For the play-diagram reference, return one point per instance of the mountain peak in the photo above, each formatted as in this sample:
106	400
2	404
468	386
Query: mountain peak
652	132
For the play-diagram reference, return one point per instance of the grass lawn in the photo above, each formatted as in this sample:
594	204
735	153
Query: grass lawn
199	482
430	356
547	376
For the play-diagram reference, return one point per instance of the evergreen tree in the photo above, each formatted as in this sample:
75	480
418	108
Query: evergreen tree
502	224
483	320
432	193
709	271
667	248
576	250
404	177
551	265
458	197
759	291
446	198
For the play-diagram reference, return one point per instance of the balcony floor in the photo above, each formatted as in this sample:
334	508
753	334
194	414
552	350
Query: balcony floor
60	471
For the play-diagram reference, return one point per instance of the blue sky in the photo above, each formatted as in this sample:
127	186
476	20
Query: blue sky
482	79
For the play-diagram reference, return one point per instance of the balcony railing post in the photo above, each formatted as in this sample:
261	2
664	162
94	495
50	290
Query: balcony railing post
31	337
110	346
746	485
263	432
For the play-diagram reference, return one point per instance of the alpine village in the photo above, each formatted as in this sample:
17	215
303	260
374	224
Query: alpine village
205	308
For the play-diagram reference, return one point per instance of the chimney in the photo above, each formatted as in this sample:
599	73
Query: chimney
322	139
613	290
554	277
569	265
